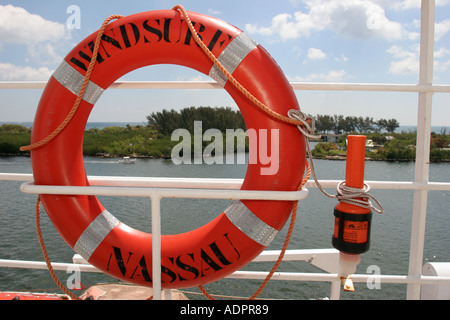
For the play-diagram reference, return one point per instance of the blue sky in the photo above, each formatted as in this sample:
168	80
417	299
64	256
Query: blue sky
367	41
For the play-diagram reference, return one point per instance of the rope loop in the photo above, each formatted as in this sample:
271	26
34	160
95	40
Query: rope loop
358	197
45	254
308	126
355	196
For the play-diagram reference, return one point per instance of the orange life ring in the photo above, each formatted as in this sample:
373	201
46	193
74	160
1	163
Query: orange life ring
232	239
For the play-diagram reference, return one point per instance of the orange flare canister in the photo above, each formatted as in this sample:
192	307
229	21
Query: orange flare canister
352	223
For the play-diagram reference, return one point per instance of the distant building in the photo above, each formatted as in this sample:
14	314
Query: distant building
330	137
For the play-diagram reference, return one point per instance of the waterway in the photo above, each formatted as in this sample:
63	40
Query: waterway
390	237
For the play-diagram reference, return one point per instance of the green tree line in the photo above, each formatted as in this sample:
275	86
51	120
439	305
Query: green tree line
391	147
165	121
109	141
154	139
340	124
124	141
12	137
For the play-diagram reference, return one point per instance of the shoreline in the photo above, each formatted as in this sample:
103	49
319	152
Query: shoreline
326	157
343	158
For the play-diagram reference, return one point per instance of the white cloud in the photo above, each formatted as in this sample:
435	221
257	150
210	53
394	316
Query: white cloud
214	12
405	4
441	28
342	58
412	4
442	3
295	3
19	26
441	59
405	61
10	72
287	27
399	52
44	53
316	54
441	53
40	39
353	18
441	66
405	66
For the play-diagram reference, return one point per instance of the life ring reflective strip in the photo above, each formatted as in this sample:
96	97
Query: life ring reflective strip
232	56
229	241
72	80
94	234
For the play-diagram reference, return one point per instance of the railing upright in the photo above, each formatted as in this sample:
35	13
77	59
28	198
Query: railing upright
422	146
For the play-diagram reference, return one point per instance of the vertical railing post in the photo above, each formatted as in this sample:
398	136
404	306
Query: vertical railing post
335	292
156	245
422	145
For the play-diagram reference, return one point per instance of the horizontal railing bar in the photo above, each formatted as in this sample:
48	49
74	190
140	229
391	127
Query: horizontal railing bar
16	176
292	276
23	84
166	182
229	194
265	256
165	85
400	185
59	266
170	182
389	87
294	254
286	276
333	277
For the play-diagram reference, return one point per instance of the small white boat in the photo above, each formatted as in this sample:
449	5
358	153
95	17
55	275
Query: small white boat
127	160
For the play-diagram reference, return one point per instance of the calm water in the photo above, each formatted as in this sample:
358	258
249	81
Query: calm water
390	232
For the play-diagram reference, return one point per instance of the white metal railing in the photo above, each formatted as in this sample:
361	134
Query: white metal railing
157	188
220	183
156	195
421	186
338	86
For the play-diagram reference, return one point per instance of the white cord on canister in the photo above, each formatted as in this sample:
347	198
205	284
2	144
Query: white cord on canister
355	196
